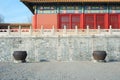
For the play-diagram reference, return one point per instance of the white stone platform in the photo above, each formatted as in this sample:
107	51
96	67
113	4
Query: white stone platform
81	70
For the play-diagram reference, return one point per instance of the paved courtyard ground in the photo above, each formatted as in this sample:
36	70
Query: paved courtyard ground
83	70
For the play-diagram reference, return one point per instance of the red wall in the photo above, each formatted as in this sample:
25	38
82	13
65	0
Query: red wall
47	20
33	21
93	20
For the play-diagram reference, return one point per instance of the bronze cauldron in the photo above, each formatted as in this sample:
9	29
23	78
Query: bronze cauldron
99	55
20	55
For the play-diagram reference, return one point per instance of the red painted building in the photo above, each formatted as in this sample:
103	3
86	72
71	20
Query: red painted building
71	13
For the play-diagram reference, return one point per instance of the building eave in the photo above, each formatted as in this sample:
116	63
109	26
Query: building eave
47	1
30	3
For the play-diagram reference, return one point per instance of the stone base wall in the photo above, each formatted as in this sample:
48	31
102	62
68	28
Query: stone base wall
68	48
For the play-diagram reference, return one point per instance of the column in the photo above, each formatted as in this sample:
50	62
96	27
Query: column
95	21
106	21
70	21
82	21
35	13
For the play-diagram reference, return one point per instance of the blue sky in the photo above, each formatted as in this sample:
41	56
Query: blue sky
14	11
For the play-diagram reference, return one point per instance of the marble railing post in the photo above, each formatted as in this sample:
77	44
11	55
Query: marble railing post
99	29
8	30
87	29
64	30
19	30
110	30
42	31
76	29
30	30
53	29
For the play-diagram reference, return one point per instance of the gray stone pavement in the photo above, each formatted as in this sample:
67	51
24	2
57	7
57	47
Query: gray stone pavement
83	70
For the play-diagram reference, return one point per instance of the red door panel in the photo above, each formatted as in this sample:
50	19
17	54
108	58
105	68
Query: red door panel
64	21
100	21
89	21
75	21
69	20
114	21
94	20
